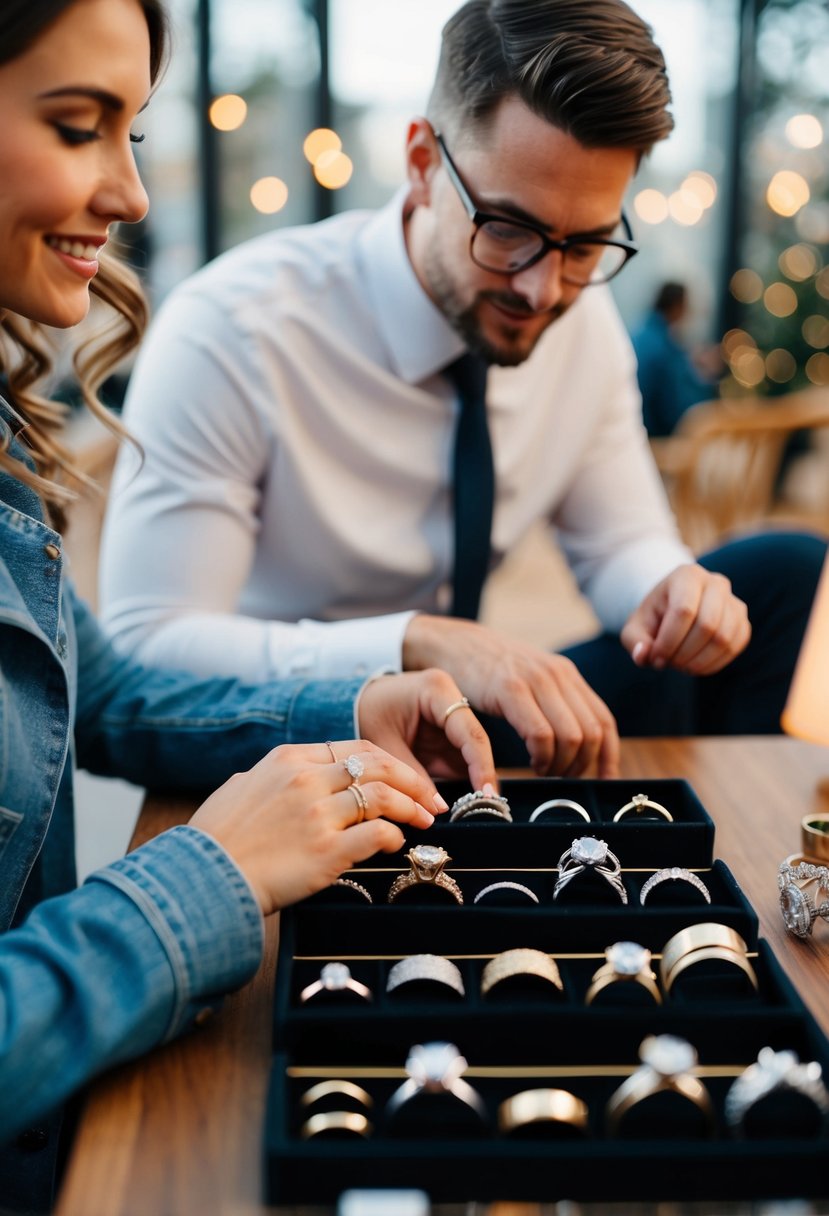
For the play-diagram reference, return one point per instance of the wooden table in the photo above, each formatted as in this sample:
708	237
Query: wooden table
180	1131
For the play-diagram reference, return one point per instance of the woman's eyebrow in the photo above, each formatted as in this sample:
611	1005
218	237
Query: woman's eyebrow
109	100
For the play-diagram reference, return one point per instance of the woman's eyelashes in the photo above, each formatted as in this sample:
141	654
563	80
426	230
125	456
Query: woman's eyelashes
84	135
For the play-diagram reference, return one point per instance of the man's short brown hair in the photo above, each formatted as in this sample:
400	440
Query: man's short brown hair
590	67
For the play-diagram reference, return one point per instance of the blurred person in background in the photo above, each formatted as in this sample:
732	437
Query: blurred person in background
320	494
146	947
671	377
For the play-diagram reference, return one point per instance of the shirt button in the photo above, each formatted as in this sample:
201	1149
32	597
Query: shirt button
52	551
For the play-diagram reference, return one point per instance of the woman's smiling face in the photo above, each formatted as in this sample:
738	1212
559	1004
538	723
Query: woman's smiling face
67	170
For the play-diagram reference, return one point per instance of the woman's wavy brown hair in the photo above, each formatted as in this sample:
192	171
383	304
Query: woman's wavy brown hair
26	352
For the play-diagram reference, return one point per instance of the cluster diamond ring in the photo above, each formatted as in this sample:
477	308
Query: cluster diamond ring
354	766
557	805
431	967
667	1064
774	1071
479	804
673	874
426	862
799	909
640	803
335	978
626	963
436	1068
589	853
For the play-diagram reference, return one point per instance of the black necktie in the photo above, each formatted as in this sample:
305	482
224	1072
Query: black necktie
474	485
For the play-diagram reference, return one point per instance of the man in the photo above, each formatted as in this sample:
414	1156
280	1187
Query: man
671	379
294	514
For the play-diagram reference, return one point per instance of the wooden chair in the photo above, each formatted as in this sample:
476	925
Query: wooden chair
721	467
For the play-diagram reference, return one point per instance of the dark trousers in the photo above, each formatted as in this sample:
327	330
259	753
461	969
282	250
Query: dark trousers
776	574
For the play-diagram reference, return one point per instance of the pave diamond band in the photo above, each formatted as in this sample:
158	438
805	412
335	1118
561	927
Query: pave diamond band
477	804
513	964
507	887
674	874
589	853
357	887
774	1071
431	967
426	862
640	803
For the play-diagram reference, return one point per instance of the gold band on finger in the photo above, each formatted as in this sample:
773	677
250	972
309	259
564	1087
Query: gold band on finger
814	837
360	799
450	709
336	1121
534	1106
330	747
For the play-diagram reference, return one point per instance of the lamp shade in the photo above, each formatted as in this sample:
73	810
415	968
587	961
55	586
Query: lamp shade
806	714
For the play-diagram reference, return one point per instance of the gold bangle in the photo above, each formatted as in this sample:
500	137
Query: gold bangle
698	937
336	1121
517	963
814	837
709	953
343	1089
533	1106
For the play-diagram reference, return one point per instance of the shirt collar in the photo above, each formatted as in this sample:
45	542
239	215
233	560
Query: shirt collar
419	339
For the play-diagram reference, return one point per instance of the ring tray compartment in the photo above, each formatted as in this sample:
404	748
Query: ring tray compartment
529	1036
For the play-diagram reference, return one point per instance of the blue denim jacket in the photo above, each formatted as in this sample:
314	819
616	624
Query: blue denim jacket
102	973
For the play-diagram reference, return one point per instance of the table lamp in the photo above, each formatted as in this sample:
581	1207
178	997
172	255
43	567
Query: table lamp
806	713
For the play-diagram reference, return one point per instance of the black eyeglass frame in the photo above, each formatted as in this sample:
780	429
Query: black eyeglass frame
478	218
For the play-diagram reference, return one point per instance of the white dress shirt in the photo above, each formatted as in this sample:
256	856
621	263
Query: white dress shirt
294	504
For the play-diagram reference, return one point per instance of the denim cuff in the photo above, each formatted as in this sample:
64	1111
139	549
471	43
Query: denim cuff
328	700
201	908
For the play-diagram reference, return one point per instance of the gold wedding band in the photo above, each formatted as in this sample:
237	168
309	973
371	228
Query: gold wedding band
716	954
698	937
518	963
814	837
330	747
336	1121
462	704
342	1089
360	799
534	1106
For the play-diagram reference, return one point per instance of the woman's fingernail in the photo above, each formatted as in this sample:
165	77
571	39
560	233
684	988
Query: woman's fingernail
489	790
441	803
429	816
638	651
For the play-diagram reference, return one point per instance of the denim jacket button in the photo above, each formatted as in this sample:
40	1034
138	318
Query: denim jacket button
33	1140
52	551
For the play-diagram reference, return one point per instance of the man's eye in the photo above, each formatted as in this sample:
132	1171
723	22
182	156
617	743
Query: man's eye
76	135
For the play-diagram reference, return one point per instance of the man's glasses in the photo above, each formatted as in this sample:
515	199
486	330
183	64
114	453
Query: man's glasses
509	246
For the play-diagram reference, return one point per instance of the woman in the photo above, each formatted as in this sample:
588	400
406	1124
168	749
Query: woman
105	972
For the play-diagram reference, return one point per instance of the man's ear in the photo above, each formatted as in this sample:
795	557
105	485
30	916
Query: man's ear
422	161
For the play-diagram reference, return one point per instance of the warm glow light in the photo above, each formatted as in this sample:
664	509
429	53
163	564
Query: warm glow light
319	141
812	222
702	187
780	365
806	714
804	131
684	208
798	262
817	368
228	112
269	195
816	331
748	367
787	192
780	300
651	206
746	286
822	283
333	169
733	340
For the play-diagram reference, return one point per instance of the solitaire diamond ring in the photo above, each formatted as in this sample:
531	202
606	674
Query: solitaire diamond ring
589	853
426	862
627	962
436	1068
774	1071
354	766
667	1062
640	803
335	978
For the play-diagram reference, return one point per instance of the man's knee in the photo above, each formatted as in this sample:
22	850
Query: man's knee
771	565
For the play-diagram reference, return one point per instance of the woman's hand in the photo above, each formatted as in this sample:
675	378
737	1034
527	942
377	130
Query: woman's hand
293	826
406	714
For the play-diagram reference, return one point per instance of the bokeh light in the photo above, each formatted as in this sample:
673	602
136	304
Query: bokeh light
320	141
822	283
780	300
228	112
269	195
733	340
748	367
817	368
684	208
804	131
651	206
787	192
702	187
812	222
799	262
780	365
746	286
333	169
815	330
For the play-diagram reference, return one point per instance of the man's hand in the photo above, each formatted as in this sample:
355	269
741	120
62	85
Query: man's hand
691	621
566	727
